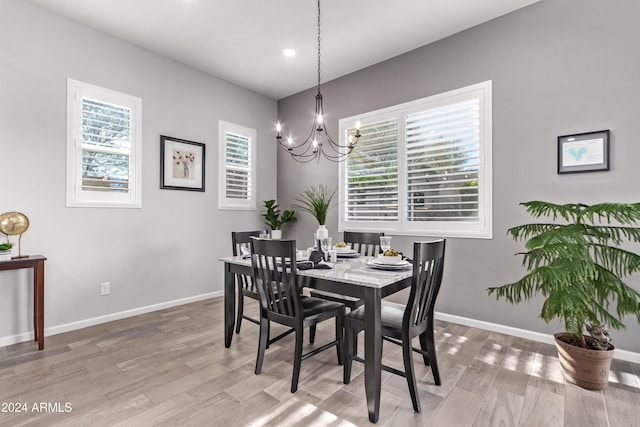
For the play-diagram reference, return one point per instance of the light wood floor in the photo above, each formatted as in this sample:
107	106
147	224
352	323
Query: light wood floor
171	368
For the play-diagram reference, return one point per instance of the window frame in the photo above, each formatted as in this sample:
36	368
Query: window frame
483	228
225	203
76	196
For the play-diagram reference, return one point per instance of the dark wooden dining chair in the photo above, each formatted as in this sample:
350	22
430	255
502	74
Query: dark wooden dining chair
244	283
273	269
401	323
367	244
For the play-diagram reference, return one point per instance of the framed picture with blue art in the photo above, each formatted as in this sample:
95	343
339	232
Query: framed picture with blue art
584	152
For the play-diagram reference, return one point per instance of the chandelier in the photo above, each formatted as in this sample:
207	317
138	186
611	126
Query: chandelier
319	142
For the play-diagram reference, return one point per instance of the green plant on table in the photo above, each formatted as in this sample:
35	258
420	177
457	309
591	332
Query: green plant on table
577	262
6	246
274	218
316	200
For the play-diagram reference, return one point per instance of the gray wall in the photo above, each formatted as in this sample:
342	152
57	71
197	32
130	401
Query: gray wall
558	67
164	252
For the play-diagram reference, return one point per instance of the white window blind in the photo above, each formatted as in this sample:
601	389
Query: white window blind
421	168
372	174
103	147
442	161
237	168
106	146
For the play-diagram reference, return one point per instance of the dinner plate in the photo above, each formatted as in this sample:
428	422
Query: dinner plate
404	265
342	251
348	255
401	263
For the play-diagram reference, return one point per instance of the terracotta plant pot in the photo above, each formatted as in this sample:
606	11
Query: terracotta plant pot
584	367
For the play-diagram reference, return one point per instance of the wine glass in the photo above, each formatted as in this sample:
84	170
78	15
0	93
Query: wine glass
385	243
325	243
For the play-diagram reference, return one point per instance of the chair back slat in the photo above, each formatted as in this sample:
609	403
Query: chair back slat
238	239
366	244
273	265
428	265
242	238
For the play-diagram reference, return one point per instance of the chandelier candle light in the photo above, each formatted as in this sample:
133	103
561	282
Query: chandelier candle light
313	147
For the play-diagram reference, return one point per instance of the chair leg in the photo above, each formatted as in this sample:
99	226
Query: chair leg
431	350
423	347
312	334
407	356
262	343
346	351
297	360
240	311
268	332
340	337
354	343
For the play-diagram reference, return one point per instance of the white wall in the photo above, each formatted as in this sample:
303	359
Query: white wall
558	68
166	251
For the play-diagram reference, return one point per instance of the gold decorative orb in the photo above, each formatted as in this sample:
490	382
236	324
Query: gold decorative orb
14	224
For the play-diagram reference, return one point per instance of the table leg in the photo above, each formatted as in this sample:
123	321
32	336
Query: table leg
38	297
229	304
372	352
35	303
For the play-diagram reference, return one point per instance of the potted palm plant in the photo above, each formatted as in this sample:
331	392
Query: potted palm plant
275	219
317	200
577	262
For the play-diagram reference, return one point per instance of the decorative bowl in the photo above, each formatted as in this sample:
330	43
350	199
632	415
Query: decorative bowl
383	259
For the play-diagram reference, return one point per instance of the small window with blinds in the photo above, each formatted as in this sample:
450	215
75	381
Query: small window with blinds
103	148
237	186
422	168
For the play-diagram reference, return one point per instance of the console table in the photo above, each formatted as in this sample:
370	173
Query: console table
37	263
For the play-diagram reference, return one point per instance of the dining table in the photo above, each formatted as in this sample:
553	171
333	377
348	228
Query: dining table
350	276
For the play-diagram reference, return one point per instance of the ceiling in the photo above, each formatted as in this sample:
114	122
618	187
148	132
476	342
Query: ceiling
241	41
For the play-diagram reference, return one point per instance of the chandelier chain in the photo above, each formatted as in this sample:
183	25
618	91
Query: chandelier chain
318	46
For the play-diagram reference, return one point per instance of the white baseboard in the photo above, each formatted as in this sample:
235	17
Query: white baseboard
15	339
59	329
625	355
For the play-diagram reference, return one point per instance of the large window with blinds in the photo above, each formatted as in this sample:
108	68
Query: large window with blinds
103	147
421	168
237	169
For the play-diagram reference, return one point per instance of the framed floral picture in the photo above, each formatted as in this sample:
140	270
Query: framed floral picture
181	164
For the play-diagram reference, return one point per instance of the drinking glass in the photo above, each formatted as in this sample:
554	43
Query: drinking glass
385	243
264	235
325	244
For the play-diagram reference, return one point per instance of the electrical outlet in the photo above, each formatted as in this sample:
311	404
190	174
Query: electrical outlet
105	288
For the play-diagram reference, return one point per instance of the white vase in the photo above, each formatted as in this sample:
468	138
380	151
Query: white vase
322	232
276	234
5	255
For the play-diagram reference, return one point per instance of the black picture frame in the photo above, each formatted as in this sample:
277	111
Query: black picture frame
583	152
182	164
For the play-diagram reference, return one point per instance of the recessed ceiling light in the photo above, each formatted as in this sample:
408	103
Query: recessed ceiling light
287	51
